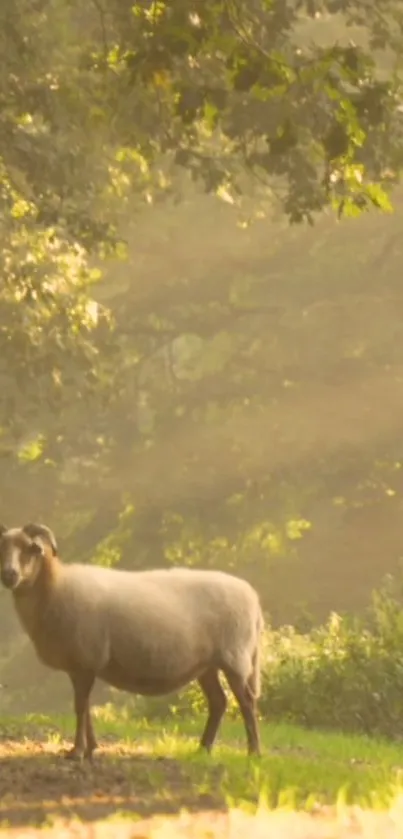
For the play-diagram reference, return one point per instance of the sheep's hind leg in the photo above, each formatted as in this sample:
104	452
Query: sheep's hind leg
217	703
82	687
247	706
91	739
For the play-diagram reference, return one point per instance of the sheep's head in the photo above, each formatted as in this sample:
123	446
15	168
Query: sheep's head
22	551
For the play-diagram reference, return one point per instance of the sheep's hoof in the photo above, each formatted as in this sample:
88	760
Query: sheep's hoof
204	748
255	754
73	754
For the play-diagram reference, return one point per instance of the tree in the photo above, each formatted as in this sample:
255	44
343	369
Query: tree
237	87
103	107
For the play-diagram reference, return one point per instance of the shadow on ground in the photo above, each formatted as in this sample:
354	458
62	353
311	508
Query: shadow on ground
37	784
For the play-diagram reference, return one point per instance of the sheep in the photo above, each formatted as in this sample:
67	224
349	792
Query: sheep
147	632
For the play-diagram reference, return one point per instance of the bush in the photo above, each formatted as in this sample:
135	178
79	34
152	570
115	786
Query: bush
347	674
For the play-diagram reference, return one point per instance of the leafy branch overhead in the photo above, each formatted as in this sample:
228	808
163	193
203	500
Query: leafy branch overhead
241	87
103	101
92	97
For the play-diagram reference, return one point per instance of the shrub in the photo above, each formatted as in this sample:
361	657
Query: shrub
347	674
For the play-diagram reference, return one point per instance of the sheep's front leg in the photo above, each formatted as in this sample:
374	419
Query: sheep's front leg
84	742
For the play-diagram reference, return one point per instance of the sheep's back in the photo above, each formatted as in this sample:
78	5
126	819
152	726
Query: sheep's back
162	619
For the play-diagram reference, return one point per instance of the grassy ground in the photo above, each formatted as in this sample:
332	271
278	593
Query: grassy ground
142	770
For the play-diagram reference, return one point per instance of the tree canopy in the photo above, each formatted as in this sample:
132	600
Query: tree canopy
177	388
236	87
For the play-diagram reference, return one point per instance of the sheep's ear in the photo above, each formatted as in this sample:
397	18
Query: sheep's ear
3	529
34	530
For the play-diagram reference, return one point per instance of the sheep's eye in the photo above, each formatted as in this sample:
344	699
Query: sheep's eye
35	549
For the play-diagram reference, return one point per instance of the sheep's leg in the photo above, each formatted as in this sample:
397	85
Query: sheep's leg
91	739
247	706
82	686
217	703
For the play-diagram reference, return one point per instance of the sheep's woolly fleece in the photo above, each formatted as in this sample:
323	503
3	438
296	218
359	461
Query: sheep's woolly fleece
348	823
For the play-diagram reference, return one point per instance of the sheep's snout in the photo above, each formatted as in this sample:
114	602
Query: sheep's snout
20	557
10	563
10	576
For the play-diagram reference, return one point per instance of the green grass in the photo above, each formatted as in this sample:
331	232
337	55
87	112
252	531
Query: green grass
296	764
299	768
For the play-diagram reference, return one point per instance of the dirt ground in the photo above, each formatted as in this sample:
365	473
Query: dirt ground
38	785
127	794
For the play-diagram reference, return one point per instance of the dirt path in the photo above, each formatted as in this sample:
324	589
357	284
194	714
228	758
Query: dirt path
130	794
37	785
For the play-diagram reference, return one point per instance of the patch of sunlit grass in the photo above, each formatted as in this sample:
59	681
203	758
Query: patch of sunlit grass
299	769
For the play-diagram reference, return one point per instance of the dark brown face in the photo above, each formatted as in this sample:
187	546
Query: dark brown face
19	558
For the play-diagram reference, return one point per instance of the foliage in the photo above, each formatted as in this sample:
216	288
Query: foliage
242	86
148	409
346	675
50	326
